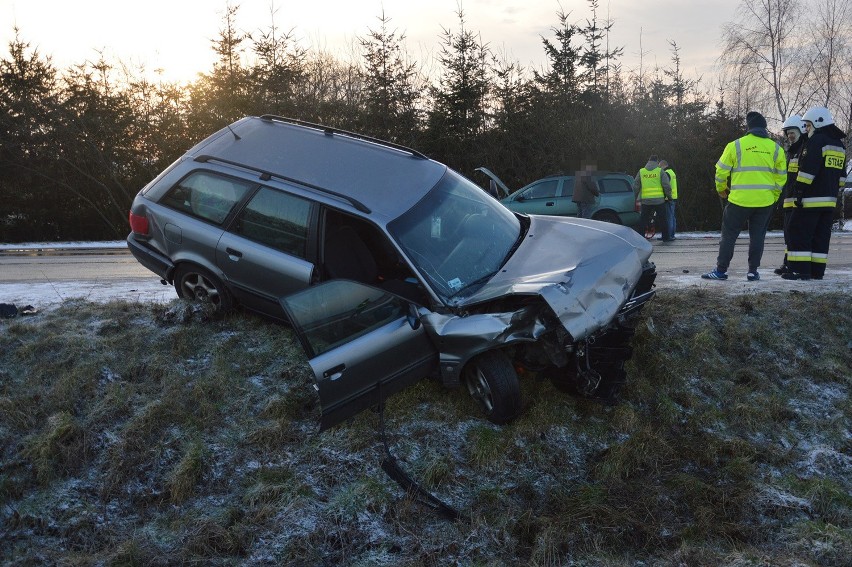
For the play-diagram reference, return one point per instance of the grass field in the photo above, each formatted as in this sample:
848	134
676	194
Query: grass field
133	434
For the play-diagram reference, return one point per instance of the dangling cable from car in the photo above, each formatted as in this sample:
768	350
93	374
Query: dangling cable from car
392	468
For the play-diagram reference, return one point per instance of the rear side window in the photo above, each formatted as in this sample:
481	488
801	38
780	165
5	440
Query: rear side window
609	185
206	196
542	190
276	219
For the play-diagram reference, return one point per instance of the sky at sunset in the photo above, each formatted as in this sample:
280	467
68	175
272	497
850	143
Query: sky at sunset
176	35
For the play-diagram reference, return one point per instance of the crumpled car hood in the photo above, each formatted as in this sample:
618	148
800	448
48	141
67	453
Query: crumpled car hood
585	270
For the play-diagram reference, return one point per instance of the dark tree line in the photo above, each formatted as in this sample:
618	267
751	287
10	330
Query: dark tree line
76	145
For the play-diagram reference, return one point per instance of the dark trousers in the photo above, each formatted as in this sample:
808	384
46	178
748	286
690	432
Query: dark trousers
662	221
809	237
786	214
733	220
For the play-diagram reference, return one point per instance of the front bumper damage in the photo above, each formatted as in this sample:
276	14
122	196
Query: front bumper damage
535	332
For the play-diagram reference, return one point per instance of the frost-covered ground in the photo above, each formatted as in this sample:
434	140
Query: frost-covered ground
731	445
152	435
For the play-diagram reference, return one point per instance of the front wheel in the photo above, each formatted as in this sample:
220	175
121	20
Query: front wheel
493	383
198	284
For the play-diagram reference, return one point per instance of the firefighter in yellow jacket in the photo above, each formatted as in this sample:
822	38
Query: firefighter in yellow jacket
749	175
822	172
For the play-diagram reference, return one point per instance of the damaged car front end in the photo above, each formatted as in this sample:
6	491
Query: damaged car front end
508	294
562	306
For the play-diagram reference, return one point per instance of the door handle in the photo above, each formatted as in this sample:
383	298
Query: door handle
234	254
334	373
549	204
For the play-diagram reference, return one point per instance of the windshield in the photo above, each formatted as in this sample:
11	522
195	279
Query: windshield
457	236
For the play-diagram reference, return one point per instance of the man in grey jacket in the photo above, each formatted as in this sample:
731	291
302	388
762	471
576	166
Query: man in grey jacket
653	189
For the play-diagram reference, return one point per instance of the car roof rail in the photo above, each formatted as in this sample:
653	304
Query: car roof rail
332	131
267	175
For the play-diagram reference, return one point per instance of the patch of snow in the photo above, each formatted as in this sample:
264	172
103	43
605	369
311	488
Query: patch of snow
49	295
772	497
64	245
822	461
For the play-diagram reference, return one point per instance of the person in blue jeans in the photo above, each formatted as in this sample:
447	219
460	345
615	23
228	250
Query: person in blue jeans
670	204
652	189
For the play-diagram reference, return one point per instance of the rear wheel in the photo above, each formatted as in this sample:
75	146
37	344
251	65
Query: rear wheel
198	284
607	216
493	383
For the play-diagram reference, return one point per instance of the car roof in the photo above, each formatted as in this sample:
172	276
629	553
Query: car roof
379	178
595	173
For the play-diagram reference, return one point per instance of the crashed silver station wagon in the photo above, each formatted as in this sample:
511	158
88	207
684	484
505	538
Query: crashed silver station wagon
391	267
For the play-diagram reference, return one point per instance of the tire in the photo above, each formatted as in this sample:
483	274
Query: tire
607	216
493	383
195	283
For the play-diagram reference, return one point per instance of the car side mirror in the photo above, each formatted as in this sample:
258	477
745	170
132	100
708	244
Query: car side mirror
413	317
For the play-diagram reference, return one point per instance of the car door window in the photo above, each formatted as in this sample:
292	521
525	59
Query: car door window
568	187
543	190
276	219
614	186
363	345
206	196
340	311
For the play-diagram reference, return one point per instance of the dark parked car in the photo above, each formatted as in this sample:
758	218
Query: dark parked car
552	196
390	266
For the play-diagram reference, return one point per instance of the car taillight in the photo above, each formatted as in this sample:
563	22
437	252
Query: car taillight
138	223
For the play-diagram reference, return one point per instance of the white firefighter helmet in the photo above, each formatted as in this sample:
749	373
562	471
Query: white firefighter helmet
795	121
819	116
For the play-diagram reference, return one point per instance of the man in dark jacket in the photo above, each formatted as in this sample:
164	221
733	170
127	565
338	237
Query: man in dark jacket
585	190
822	172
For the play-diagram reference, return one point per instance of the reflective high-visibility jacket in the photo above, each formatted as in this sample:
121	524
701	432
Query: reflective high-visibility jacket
822	168
757	169
673	182
793	154
652	186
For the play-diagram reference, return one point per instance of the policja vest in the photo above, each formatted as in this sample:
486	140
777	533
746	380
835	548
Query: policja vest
673	183
652	186
757	169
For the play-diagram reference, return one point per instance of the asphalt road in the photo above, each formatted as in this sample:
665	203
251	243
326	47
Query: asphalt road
69	264
53	275
699	254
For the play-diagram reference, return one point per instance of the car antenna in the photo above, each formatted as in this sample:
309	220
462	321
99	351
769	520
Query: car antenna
391	467
236	137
